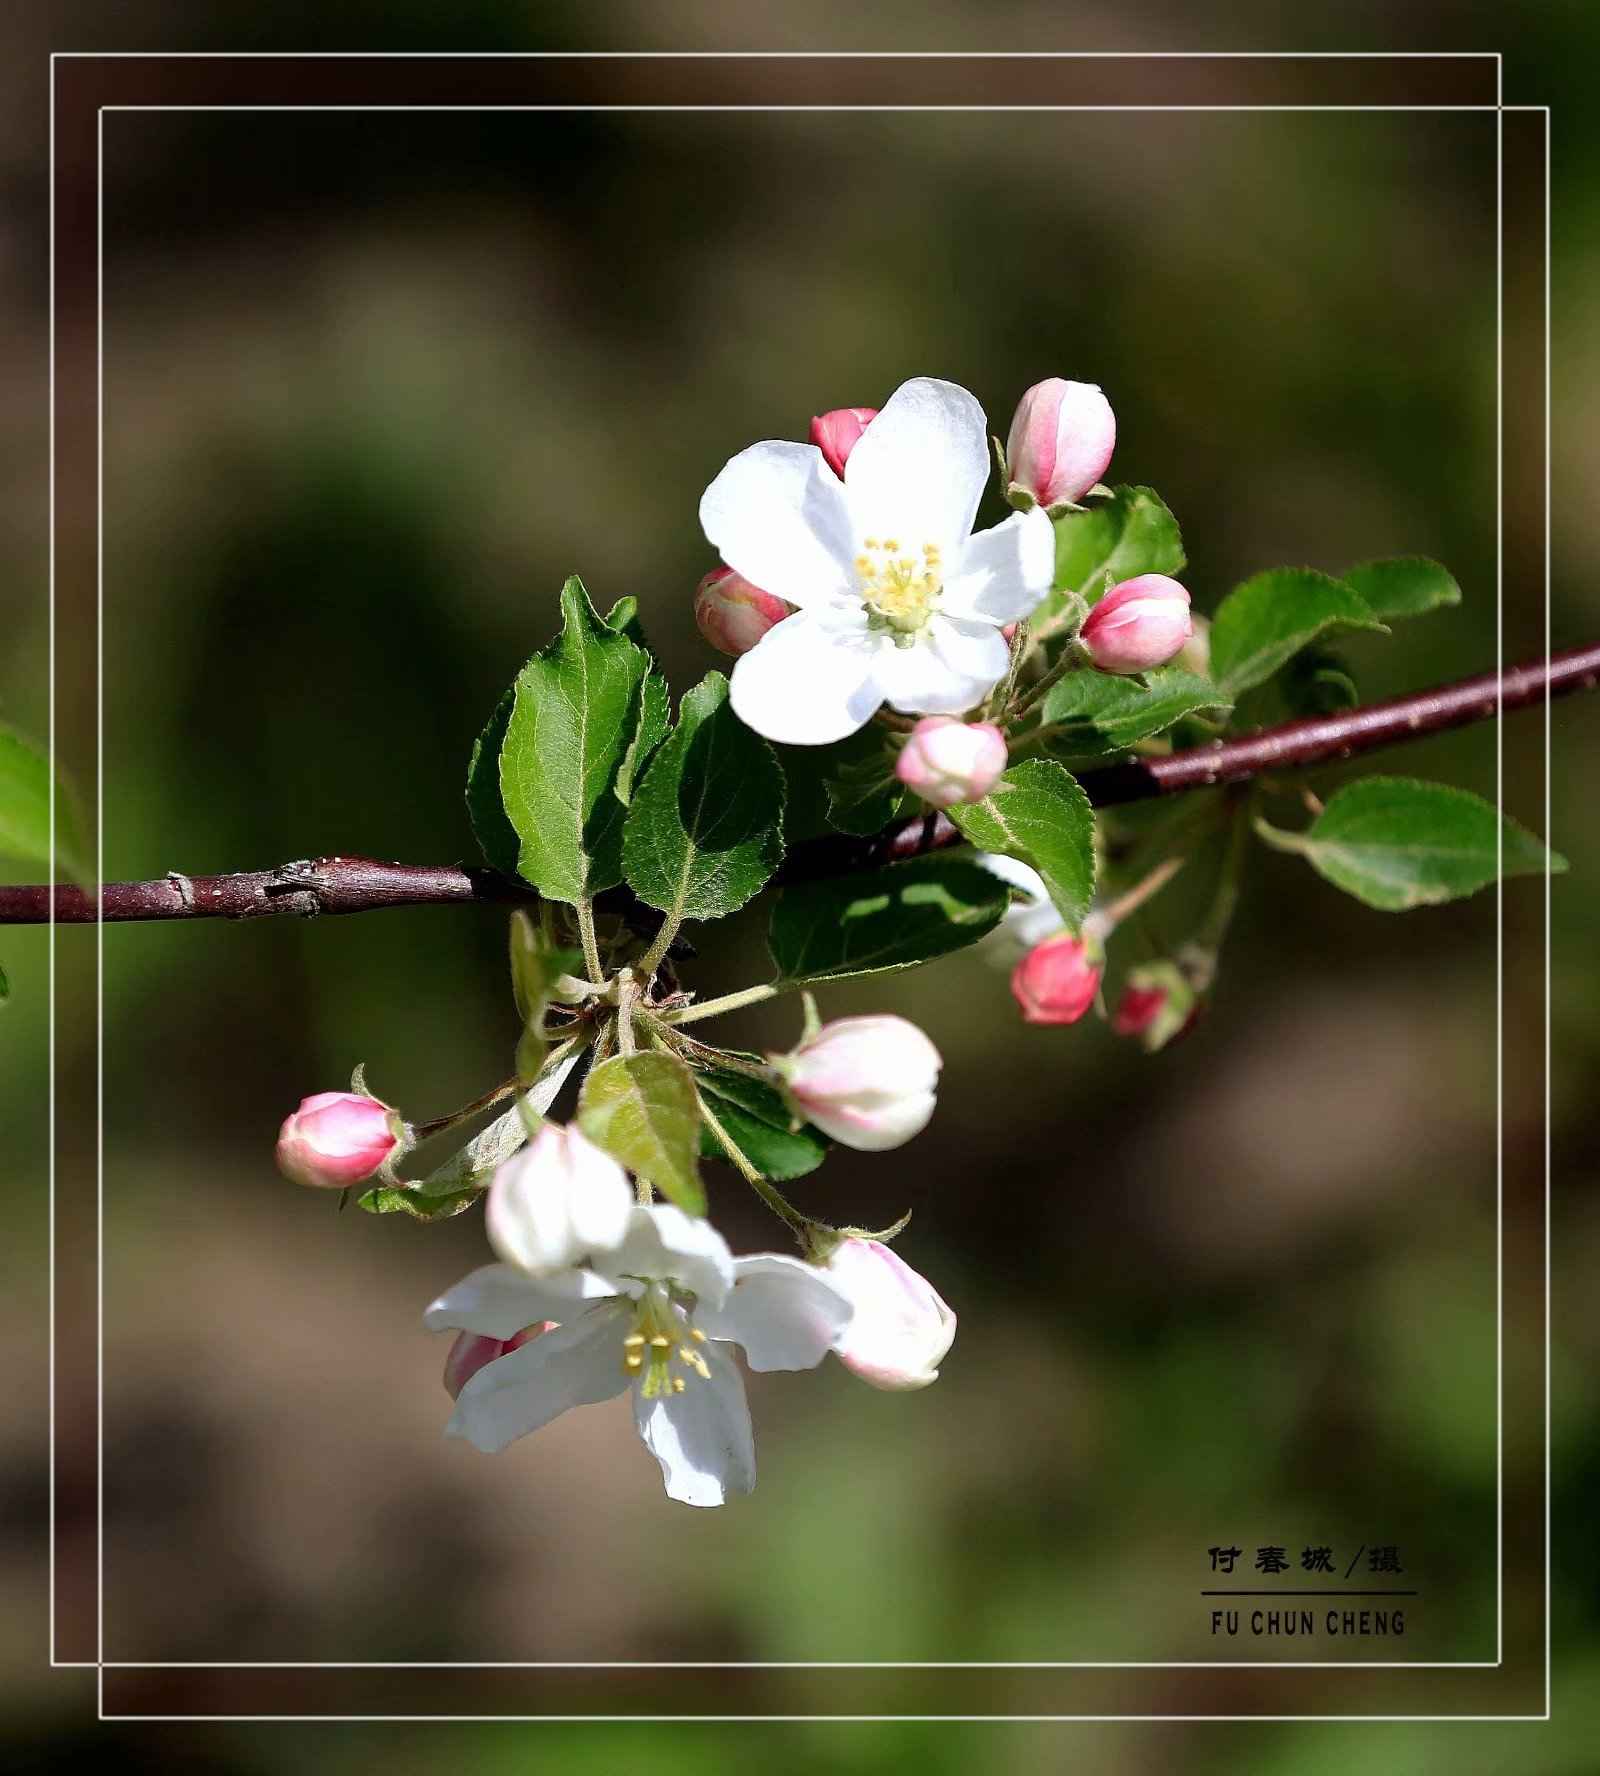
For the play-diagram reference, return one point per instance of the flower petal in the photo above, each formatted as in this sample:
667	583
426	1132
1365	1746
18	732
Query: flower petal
919	469
701	1437
808	682
953	664
777	515
575	1365
662	1241
497	1300
1004	571
785	1313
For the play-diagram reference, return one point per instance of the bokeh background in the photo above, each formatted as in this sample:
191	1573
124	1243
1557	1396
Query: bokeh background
374	385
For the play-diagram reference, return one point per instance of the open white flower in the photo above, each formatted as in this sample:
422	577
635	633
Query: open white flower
660	1314
897	600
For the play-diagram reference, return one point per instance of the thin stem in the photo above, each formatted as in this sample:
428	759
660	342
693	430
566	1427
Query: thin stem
425	1131
657	953
591	944
1071	660
774	1199
692	1014
702	1054
354	884
627	992
1140	892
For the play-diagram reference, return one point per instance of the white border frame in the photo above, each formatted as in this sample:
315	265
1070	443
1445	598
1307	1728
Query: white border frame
100	1665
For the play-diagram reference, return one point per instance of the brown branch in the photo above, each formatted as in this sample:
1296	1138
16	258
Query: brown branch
347	884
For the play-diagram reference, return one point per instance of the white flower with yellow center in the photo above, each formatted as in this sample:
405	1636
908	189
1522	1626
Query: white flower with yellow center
659	1314
897	600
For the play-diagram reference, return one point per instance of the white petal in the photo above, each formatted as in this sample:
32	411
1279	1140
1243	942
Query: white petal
662	1241
575	1365
1004	571
807	682
777	515
951	666
785	1313
701	1437
919	469
497	1301
1015	874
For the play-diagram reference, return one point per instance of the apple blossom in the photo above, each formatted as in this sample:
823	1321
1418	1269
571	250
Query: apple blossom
557	1201
1056	982
946	761
901	1328
1060	443
867	1081
336	1139
898	600
732	614
670	1289
837	433
1138	624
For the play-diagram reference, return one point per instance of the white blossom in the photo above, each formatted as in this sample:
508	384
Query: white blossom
897	600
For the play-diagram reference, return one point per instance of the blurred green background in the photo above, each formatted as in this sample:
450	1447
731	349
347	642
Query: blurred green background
374	385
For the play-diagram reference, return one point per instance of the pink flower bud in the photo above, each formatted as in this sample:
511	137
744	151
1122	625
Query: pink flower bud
1140	624
901	1329
732	614
1055	983
1158	1005
837	433
946	761
335	1139
866	1081
1061	441
471	1351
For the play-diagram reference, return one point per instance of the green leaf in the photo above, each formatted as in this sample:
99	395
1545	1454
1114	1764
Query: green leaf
864	794
705	832
641	1109
1406	586
405	1199
25	808
759	1120
1396	843
578	708
1260	625
1038	814
894	917
496	836
1130	533
1104	712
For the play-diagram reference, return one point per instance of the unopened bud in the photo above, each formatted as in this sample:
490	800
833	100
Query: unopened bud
1158	1004
559	1201
1056	982
946	761
471	1351
1060	443
867	1081
732	614
901	1328
1138	625
336	1139
837	433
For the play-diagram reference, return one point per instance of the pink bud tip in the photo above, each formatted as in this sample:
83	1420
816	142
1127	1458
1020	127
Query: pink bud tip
901	1328
1138	1009
1138	625
946	761
1055	983
472	1352
732	614
1061	441
336	1139
837	433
